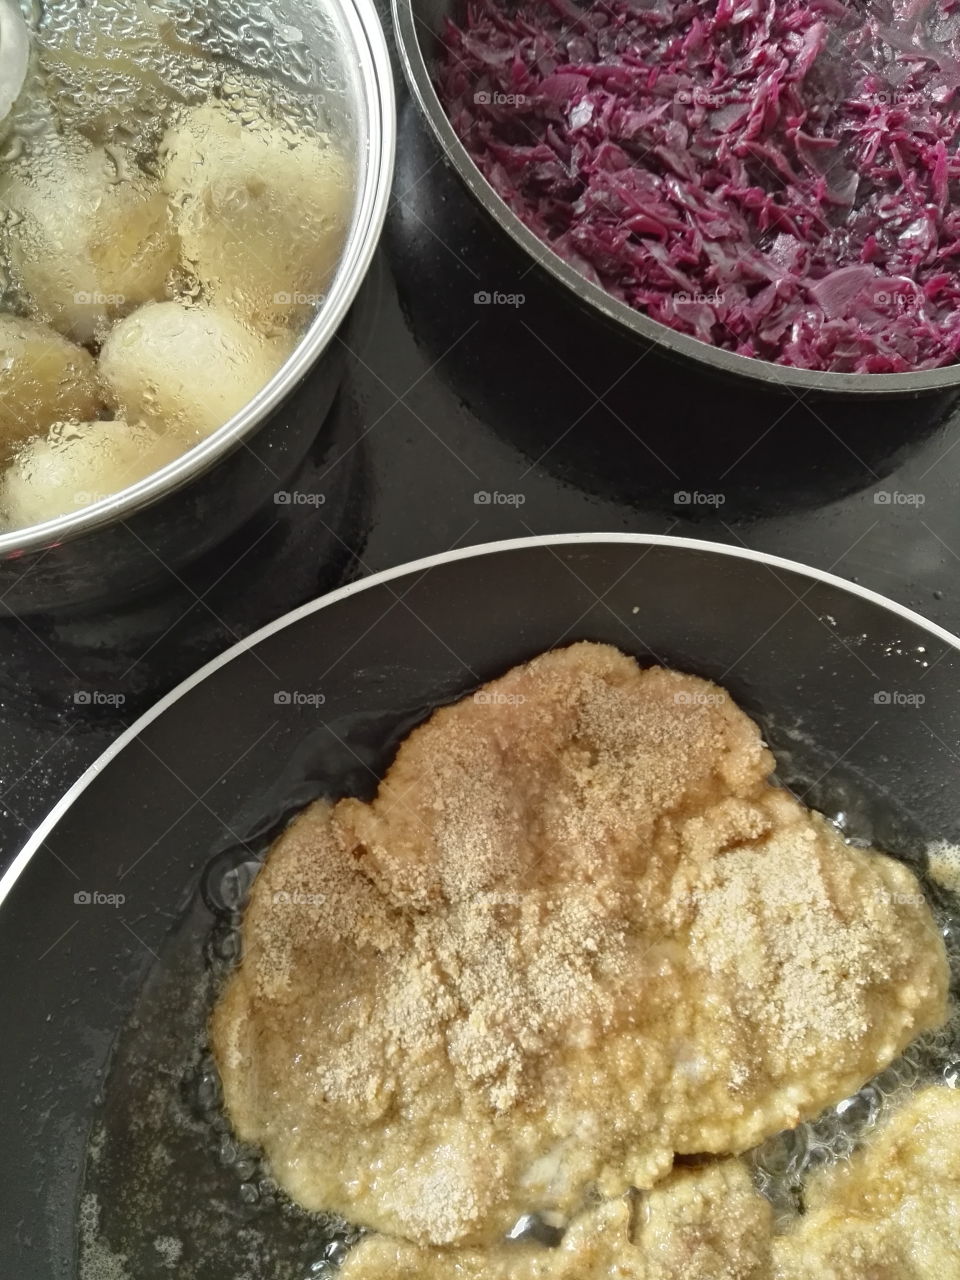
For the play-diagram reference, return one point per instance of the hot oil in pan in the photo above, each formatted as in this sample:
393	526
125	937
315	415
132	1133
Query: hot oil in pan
781	1164
865	817
167	1189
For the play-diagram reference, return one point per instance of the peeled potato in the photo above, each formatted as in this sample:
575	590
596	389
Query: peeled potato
114	72
262	211
78	463
90	237
43	378
188	368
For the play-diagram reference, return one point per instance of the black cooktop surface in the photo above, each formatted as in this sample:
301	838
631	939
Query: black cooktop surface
460	421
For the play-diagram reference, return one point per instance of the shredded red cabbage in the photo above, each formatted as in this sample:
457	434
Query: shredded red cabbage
774	177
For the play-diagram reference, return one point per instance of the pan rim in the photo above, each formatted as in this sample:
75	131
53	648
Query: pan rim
132	732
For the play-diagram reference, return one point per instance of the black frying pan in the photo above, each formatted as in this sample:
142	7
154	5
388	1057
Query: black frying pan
103	1004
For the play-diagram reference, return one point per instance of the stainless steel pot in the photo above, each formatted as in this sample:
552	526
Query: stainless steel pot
418	24
126	543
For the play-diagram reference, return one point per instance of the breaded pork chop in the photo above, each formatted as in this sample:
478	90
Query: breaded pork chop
577	931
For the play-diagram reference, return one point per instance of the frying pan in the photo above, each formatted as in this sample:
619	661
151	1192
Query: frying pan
111	1120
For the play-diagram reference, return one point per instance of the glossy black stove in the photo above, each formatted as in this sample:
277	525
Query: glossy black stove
468	415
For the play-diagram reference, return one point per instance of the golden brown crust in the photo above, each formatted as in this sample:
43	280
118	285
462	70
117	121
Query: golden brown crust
889	1213
577	931
892	1212
703	1224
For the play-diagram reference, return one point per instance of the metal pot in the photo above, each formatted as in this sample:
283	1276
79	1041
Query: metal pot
418	26
580	396
127	543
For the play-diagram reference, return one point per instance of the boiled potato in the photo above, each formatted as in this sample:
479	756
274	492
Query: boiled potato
90	237
189	368
262	211
114	72
43	378
77	463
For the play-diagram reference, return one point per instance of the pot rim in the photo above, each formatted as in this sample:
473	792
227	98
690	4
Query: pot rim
422	565
764	372
377	155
